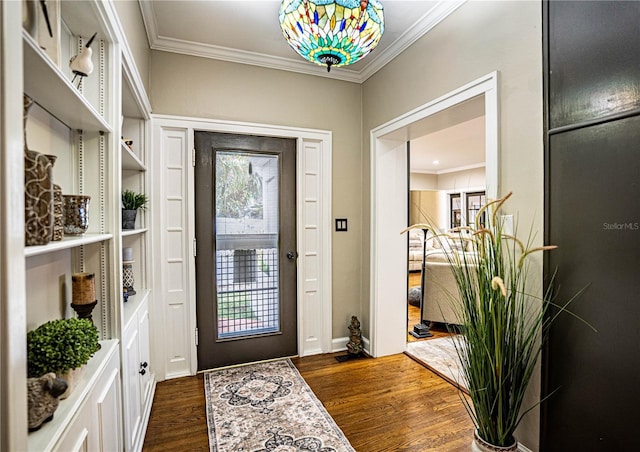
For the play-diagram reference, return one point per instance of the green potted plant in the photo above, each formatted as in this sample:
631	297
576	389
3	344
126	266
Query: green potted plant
61	346
131	202
503	326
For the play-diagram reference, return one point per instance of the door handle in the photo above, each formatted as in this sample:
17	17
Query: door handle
291	255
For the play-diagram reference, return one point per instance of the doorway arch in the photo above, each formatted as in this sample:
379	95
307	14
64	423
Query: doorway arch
389	211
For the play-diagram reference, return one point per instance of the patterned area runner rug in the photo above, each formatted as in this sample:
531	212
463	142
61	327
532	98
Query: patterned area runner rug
440	356
268	407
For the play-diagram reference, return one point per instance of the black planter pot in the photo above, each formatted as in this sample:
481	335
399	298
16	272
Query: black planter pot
129	219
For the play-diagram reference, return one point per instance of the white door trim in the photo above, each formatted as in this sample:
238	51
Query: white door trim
313	203
389	210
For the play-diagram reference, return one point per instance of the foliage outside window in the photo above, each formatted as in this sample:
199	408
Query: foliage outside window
238	187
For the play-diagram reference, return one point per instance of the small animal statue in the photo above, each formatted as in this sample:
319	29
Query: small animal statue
43	396
354	346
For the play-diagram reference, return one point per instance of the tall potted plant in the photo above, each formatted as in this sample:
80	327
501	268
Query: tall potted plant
131	202
503	326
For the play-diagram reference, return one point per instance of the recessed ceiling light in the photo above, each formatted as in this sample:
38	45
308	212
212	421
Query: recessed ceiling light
436	162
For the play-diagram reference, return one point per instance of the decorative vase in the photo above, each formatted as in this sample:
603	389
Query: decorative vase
129	219
127	272
480	445
58	208
58	213
76	214
38	192
127	278
72	376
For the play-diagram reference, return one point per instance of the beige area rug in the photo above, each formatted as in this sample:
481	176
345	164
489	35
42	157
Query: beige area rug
268	407
440	356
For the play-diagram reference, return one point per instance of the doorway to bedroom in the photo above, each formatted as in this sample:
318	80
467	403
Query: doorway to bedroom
447	186
390	205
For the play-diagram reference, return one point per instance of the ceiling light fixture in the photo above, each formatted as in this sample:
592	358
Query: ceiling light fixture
332	32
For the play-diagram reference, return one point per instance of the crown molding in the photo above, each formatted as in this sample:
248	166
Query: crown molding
421	27
251	58
374	63
449	170
149	21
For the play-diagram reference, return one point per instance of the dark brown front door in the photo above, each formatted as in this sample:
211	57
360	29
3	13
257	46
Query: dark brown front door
245	195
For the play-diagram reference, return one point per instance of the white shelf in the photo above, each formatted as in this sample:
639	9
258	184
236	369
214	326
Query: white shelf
130	232
45	83
50	432
130	161
66	243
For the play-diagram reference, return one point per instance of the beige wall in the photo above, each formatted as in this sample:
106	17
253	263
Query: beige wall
131	20
204	88
462	180
477	39
457	180
428	207
421	181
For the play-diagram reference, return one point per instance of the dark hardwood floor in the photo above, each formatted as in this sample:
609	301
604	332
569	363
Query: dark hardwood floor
413	317
383	404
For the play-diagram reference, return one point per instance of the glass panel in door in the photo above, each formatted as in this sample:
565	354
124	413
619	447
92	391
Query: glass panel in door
246	244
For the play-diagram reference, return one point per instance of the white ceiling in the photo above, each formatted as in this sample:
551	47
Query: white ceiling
248	32
454	138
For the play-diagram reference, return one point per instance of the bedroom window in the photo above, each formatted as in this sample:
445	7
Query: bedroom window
455	203
475	201
464	207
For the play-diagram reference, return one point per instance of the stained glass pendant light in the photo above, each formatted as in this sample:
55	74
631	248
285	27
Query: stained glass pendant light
332	32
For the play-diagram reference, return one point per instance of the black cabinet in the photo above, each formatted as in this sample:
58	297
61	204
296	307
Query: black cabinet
594	217
593	67
592	212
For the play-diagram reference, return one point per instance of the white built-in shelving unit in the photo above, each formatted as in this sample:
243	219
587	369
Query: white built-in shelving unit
138	371
82	125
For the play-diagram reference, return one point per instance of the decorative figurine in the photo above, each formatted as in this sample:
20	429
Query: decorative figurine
81	64
354	346
43	396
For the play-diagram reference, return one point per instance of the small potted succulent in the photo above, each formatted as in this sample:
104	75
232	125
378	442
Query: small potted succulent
61	346
131	202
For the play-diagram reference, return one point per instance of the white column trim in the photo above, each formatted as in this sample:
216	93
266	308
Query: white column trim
13	312
388	337
320	316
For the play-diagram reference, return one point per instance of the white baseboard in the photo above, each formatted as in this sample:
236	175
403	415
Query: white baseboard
339	344
522	448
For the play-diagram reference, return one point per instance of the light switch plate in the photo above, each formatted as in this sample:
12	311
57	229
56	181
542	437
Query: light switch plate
341	224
